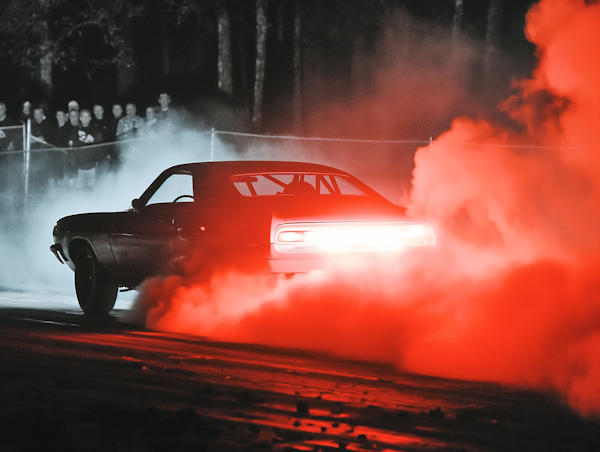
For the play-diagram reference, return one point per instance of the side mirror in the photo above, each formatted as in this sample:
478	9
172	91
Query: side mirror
137	205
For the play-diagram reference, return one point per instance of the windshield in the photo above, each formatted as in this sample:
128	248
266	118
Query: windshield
271	184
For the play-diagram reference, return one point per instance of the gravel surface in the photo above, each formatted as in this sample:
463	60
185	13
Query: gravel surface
73	383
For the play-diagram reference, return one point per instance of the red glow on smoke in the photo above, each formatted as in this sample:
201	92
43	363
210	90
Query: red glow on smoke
512	293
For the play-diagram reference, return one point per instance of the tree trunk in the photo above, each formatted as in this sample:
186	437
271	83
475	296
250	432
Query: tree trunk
166	55
125	74
46	67
313	85
225	80
261	55
243	65
297	100
458	18
280	23
45	73
493	34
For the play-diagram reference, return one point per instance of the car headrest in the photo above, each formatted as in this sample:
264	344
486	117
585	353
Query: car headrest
299	188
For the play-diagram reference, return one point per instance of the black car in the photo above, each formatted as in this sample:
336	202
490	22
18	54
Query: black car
268	217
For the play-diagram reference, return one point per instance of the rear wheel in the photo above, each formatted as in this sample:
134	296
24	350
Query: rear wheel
95	294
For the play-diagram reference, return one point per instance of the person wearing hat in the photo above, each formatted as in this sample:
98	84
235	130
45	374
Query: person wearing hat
73	105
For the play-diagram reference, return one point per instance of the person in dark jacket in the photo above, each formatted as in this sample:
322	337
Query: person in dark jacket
60	138
6	143
9	139
25	112
5	120
40	127
62	130
100	122
113	122
87	159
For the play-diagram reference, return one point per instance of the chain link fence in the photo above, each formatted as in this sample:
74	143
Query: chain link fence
29	167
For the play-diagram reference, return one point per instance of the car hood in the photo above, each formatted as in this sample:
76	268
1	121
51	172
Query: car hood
87	221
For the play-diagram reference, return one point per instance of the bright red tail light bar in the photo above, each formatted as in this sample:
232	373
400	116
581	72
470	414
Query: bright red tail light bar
352	236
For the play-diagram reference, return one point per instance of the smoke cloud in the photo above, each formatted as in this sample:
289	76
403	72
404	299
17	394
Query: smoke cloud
512	291
532	211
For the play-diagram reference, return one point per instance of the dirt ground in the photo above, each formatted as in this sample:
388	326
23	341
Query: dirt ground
71	383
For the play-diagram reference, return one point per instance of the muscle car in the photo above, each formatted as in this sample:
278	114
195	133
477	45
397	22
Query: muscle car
263	216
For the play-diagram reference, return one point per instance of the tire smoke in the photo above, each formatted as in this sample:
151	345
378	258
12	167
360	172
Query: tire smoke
512	292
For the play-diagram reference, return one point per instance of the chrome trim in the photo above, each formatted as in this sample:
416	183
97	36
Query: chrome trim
58	252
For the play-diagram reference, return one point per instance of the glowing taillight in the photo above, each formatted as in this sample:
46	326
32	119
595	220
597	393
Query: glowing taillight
323	237
290	236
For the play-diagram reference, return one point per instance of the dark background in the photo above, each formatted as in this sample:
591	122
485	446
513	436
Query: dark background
173	46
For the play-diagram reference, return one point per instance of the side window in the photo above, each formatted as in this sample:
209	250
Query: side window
174	187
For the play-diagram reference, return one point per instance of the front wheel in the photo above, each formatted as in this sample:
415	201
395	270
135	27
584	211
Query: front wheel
95	294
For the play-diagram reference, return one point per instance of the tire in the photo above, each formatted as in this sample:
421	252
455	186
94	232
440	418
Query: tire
95	294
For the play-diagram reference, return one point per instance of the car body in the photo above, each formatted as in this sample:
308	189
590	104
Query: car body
262	216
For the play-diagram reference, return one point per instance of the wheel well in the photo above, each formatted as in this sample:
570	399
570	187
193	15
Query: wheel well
77	245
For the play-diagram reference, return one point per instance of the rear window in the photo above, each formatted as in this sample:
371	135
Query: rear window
272	184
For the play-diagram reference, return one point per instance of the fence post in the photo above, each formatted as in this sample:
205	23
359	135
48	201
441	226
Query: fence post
212	144
27	155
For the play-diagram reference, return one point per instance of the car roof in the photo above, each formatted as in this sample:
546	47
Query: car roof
216	174
256	166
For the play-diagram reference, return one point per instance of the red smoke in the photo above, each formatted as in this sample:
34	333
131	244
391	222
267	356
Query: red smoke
511	293
533	210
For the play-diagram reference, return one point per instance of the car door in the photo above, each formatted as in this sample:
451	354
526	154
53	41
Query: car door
141	240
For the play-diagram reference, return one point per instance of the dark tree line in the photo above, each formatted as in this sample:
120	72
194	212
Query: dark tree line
256	55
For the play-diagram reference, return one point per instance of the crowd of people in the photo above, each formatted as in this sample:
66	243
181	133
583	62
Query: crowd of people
78	128
73	127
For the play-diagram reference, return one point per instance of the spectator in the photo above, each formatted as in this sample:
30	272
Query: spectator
40	128
150	121
166	115
73	105
99	121
111	132
62	130
73	116
130	123
40	132
164	100
6	143
5	120
72	132
9	178
60	138
87	159
85	133
73	124
25	112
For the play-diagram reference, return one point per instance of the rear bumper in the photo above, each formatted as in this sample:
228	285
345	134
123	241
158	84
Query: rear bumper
305	262
295	265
